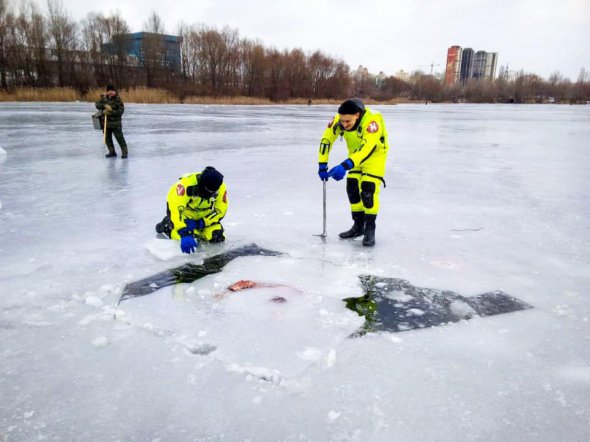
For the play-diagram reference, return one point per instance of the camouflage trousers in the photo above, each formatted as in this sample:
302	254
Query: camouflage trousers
118	133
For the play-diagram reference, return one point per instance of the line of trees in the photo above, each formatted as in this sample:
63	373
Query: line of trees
219	62
519	88
49	49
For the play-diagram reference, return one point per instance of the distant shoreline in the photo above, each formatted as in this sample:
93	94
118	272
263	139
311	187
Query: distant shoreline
142	95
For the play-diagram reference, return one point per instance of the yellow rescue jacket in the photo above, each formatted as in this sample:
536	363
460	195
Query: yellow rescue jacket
367	138
185	203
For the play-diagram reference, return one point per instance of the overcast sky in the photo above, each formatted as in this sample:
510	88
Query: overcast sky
538	36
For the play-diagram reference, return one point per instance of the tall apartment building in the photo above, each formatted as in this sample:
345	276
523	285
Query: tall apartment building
466	65
453	70
479	64
463	64
491	64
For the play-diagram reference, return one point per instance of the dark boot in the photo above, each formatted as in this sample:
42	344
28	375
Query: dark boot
217	236
165	227
369	239
124	151
357	228
111	153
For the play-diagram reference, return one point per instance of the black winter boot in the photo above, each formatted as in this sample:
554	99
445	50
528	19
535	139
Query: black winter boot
165	227
124	151
357	228
110	155
369	239
217	236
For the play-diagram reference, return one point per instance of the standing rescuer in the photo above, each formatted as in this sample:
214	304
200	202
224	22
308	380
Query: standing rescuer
112	106
366	138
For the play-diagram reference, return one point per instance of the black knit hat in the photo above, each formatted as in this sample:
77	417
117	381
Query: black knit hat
110	87
351	107
210	179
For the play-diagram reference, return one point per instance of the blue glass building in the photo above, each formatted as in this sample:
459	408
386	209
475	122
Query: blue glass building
143	48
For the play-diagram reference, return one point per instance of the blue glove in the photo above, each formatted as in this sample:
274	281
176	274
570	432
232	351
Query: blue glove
340	170
323	172
188	244
192	224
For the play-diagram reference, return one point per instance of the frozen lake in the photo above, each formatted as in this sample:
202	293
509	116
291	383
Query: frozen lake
478	198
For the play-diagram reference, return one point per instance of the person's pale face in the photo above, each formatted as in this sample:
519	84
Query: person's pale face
111	93
348	121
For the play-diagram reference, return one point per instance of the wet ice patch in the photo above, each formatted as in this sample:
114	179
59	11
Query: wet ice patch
391	304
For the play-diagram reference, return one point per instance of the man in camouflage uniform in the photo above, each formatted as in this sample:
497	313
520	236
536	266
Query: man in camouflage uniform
112	106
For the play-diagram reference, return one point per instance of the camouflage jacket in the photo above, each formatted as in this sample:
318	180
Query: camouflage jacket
114	119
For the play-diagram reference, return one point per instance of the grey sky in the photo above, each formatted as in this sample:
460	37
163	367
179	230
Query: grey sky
538	36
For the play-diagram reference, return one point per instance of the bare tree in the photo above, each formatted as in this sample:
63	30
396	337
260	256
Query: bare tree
5	19
393	87
254	65
339	83
154	24
190	52
28	40
581	90
320	68
62	32
109	59
218	59
94	36
426	87
154	55
276	80
298	79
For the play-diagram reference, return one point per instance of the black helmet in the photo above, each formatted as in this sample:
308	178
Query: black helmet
351	107
209	182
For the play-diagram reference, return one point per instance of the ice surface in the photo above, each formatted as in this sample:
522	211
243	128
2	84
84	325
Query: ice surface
478	198
249	328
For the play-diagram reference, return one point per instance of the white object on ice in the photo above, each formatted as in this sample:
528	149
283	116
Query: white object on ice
164	249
